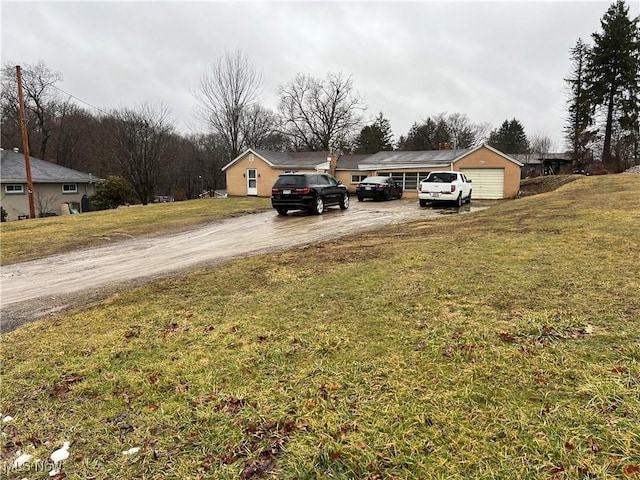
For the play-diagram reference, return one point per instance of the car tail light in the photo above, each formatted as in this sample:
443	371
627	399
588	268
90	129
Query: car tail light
303	191
274	190
453	188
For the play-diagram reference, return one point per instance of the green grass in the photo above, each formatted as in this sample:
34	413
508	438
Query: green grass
499	344
35	238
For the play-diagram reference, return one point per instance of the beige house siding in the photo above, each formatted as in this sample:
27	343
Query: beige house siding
267	175
237	175
47	198
344	176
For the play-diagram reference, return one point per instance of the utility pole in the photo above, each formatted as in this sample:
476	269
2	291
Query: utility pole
25	145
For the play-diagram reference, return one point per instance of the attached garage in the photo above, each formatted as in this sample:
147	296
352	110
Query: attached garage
488	183
494	174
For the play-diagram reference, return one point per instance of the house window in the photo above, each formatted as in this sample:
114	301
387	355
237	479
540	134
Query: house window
357	178
69	188
14	189
409	180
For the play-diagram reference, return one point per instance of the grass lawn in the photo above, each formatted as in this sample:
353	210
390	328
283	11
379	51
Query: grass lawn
499	344
35	238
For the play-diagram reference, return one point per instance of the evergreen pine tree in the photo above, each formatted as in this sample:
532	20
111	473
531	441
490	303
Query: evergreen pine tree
579	108
376	137
613	74
509	138
426	136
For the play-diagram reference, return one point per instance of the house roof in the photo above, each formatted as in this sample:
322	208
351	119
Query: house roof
289	160
422	159
351	161
12	170
409	159
387	160
538	159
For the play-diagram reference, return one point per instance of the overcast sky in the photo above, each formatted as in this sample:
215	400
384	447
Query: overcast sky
409	60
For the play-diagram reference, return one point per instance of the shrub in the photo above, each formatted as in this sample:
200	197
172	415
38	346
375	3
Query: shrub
111	193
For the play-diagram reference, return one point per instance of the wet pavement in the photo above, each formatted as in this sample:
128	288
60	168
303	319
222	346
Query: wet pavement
37	288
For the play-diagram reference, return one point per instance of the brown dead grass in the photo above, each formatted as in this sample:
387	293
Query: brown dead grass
537	185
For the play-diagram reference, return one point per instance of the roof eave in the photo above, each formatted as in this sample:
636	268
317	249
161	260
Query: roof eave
364	167
248	150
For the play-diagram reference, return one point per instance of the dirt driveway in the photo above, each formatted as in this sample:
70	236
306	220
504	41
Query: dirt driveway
38	288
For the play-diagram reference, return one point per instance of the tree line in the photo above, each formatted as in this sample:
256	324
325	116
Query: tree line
141	144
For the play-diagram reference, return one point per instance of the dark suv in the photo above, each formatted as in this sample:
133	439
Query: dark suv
308	191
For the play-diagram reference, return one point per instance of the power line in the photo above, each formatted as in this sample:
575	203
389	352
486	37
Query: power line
79	100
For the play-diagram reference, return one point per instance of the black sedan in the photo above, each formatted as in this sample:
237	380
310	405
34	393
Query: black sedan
378	188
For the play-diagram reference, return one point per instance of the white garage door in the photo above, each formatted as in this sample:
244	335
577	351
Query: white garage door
488	183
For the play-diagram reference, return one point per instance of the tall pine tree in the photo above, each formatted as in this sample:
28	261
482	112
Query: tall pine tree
509	138
376	137
613	74
579	119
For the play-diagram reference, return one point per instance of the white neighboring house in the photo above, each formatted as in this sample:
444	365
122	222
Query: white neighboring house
53	186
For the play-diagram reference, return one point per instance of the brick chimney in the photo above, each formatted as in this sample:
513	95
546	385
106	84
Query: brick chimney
333	162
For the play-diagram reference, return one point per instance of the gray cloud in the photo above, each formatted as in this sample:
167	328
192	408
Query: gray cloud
489	60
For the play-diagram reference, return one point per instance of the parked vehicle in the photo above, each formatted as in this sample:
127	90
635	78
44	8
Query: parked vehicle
378	188
446	186
308	191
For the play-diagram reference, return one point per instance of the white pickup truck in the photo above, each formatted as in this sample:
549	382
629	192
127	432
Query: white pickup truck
446	186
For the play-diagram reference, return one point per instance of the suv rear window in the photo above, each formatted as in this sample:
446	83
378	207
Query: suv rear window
291	181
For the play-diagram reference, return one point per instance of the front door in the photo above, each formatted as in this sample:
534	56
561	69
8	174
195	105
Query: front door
252	181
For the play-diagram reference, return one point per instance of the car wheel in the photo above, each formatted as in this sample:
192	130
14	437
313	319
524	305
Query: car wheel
318	206
344	203
459	201
282	211
400	195
469	197
423	203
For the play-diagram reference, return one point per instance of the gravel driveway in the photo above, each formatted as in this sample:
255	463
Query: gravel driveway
38	288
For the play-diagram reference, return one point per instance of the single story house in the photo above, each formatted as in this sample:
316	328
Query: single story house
494	174
55	188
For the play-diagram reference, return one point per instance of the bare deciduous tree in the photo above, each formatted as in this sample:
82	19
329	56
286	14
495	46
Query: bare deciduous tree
225	94
141	140
257	126
464	133
44	203
540	144
320	114
42	104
